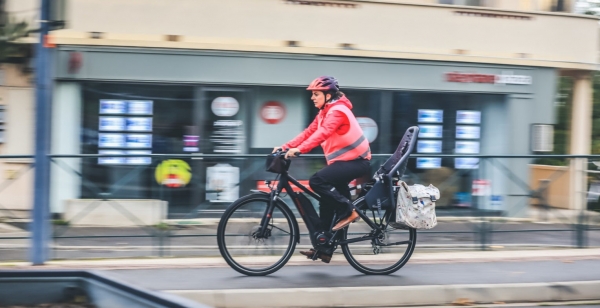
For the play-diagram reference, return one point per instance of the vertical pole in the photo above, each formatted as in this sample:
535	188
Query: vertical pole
581	141
581	137
580	231
545	184
161	244
40	226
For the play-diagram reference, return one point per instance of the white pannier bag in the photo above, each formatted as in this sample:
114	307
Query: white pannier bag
416	206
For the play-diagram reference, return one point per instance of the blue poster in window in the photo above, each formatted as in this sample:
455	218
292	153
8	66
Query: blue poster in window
429	146
430	131
139	124
467	147
111	124
111	160
139	141
468	117
430	116
429	162
139	160
111	140
466	163
467	132
110	106
139	107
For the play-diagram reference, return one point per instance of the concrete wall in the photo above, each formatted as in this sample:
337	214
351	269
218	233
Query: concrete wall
110	213
416	31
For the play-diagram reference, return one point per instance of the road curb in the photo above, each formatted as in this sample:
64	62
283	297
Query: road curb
395	296
564	255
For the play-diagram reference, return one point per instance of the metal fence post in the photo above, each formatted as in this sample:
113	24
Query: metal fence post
161	239
581	230
484	232
543	197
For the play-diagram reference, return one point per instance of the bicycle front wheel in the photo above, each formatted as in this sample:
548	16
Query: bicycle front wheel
371	258
245	248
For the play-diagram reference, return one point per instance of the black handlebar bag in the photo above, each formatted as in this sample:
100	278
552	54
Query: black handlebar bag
276	163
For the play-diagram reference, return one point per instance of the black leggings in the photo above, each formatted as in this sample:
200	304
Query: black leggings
331	183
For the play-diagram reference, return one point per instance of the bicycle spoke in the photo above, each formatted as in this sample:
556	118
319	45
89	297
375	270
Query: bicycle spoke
286	232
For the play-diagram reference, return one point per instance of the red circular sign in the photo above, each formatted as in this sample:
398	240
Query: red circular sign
272	112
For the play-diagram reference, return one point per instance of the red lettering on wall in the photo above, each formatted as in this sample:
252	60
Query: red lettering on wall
470	78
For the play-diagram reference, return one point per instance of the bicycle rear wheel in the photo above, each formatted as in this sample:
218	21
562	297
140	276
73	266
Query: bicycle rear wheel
369	258
241	246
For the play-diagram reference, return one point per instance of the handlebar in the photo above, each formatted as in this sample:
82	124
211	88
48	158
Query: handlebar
281	152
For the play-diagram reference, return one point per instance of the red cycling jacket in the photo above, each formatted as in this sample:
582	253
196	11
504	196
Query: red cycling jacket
334	123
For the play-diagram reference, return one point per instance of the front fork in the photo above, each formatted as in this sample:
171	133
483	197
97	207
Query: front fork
268	215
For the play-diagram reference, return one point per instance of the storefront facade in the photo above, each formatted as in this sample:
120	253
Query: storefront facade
129	100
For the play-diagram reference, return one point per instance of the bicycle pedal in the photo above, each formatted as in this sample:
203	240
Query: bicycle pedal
325	258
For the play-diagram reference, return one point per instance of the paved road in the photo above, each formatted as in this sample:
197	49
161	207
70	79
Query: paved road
314	276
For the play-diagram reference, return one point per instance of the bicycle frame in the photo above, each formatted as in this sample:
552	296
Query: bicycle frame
284	184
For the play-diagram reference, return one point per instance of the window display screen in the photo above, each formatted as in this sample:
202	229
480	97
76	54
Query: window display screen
139	107
430	116
138	160
111	140
139	124
429	146
111	160
429	162
468	117
467	132
139	141
111	124
467	147
108	106
430	131
466	163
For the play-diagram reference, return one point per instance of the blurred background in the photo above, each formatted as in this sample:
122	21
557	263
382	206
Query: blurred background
207	88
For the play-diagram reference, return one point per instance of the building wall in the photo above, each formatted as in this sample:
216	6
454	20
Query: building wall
508	115
16	175
386	46
23	10
431	32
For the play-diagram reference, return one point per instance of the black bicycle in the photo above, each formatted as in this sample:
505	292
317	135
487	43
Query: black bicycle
260	228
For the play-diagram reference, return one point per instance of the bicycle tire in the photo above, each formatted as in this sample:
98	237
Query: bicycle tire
369	267
229	257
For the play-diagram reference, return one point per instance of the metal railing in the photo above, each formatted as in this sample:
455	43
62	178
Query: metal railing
479	226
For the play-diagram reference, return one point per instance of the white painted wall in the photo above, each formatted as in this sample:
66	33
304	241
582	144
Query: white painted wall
66	139
20	114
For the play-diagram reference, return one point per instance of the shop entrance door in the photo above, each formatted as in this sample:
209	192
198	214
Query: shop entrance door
221	120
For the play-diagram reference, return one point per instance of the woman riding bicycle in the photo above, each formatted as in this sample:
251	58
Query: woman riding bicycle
346	149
